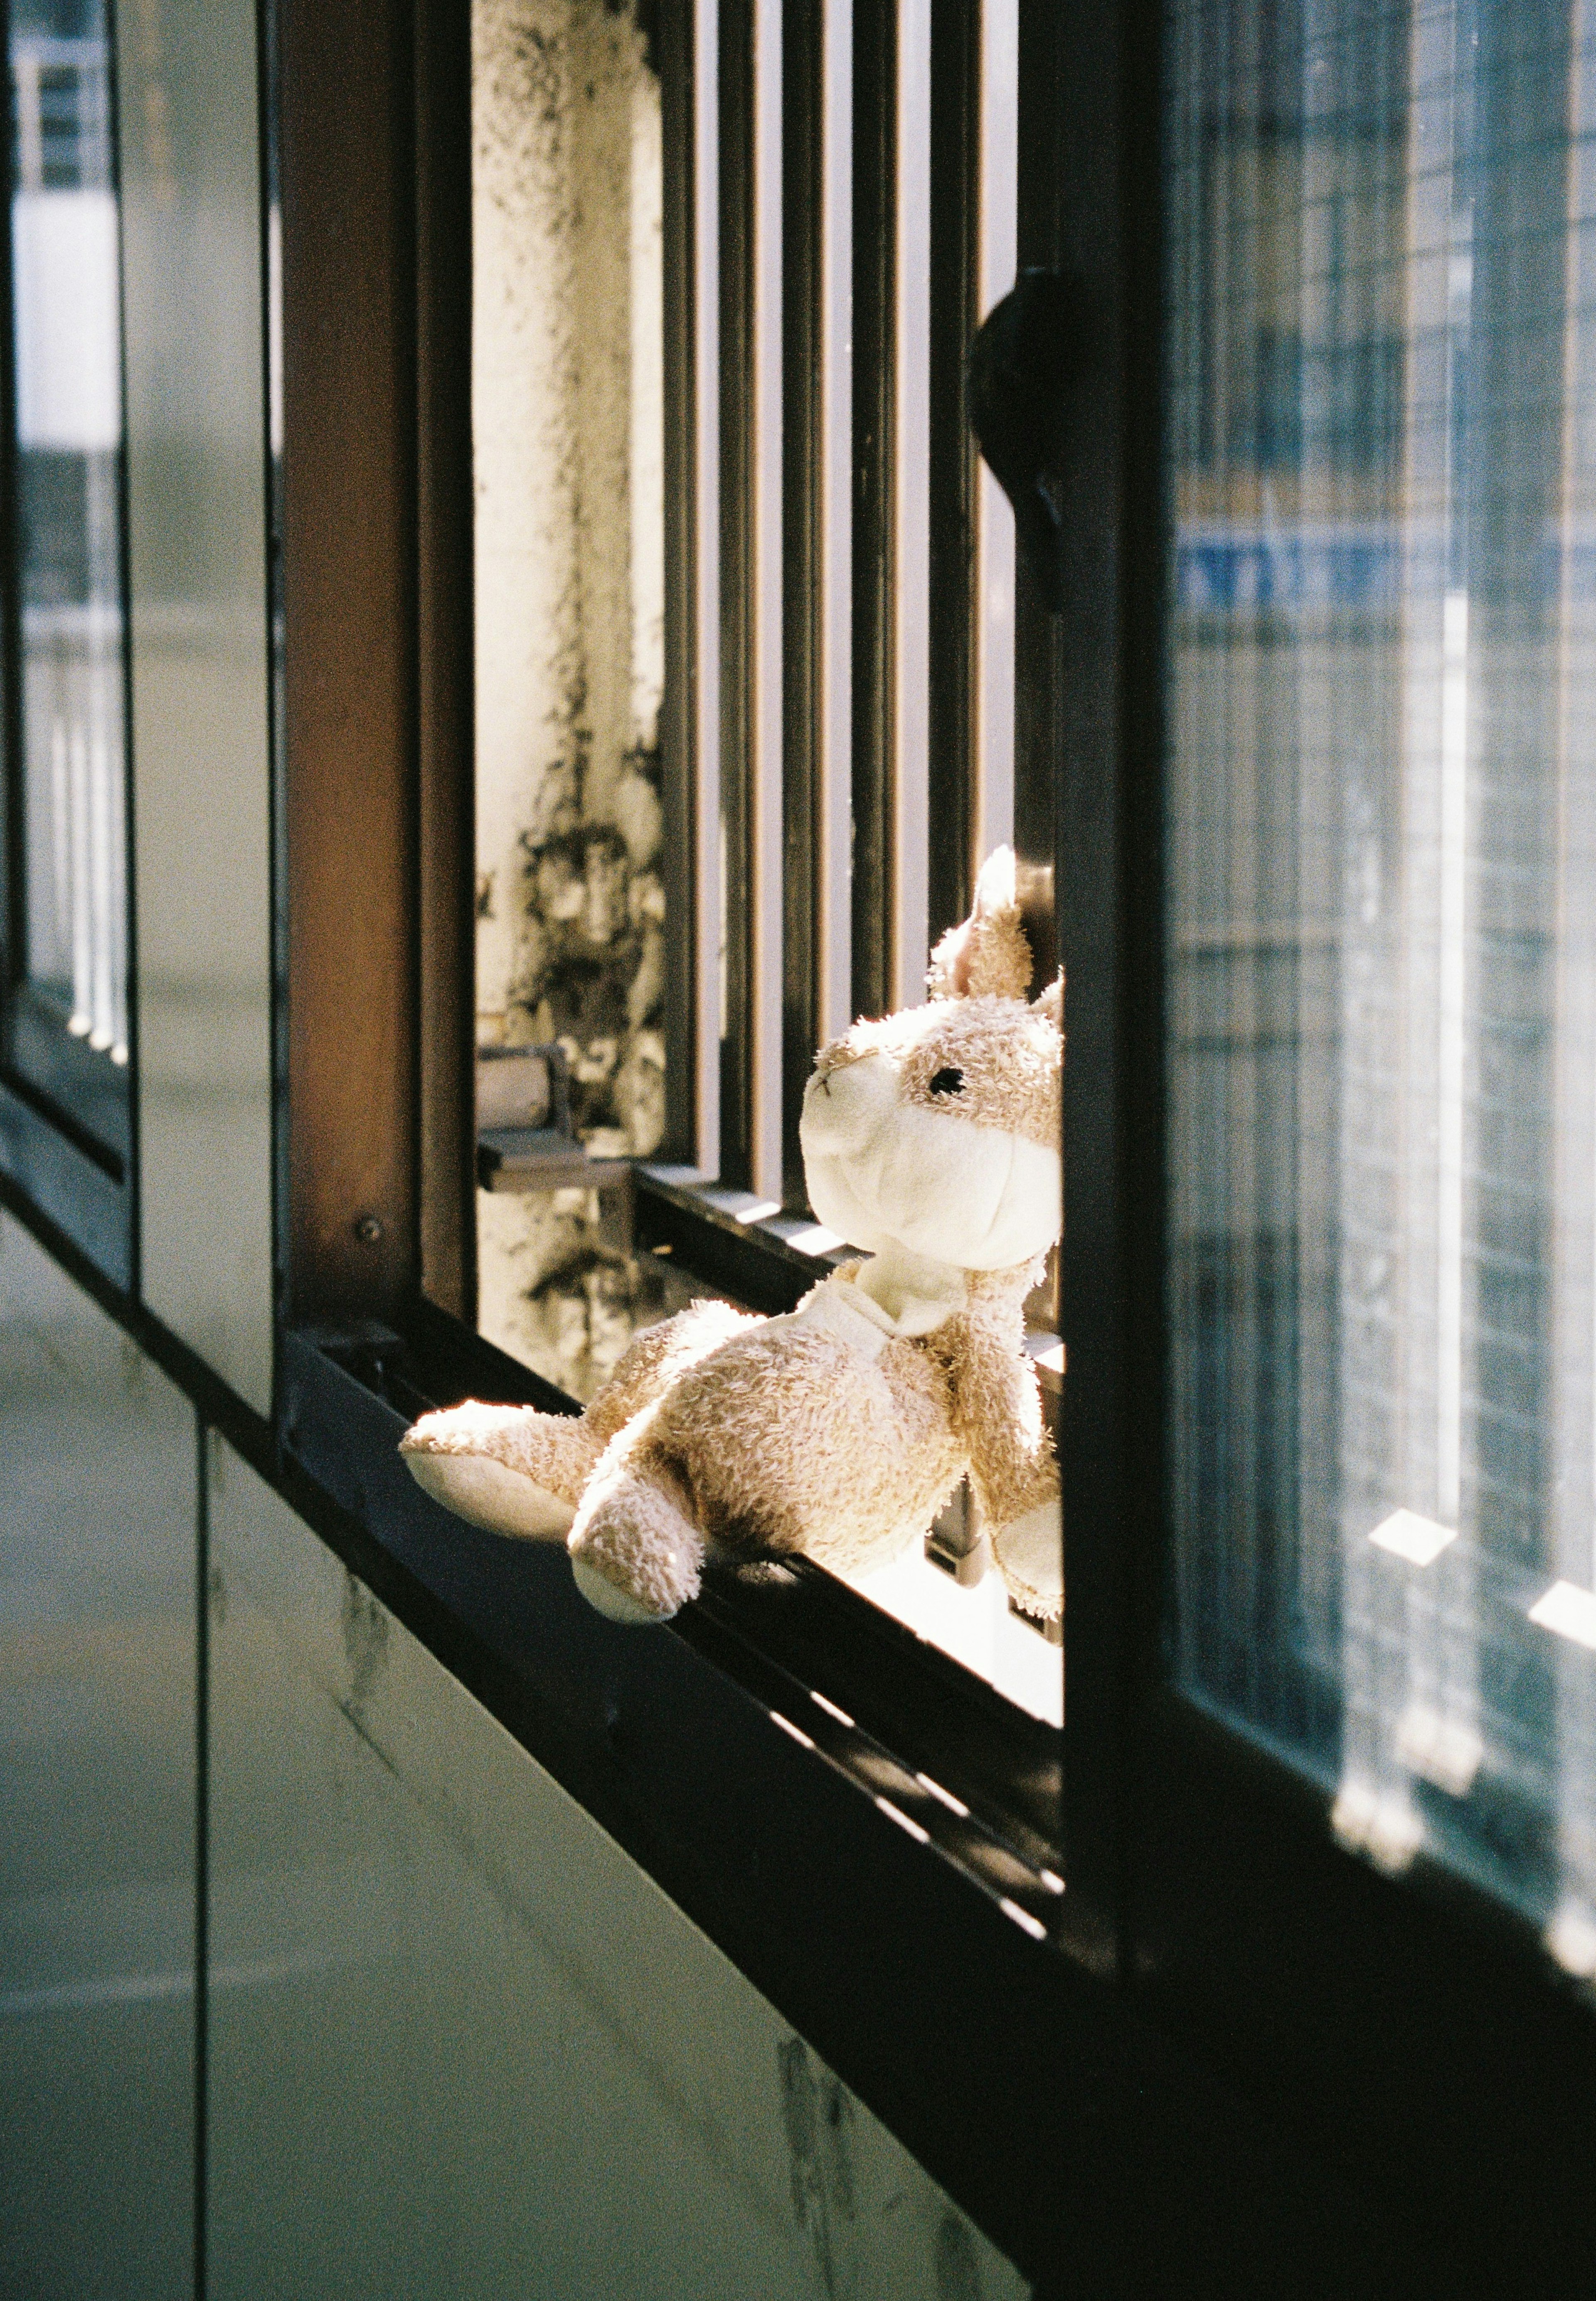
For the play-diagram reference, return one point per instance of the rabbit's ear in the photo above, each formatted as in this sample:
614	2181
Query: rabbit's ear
1051	1001
987	955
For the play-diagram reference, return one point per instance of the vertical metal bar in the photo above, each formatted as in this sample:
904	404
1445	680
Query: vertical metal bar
709	924
801	449
954	192
1093	165
1038	633
994	631
833	987
680	53
444	837
872	706
348	656
765	799
911	602
735	527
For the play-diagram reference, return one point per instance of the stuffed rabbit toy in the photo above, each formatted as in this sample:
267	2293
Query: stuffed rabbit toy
931	1140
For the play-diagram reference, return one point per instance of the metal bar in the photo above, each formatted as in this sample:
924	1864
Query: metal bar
765	410
911	597
834	988
870	548
734	864
446	736
681	57
708	994
349	668
1093	167
802	449
996	224
952	744
1038	631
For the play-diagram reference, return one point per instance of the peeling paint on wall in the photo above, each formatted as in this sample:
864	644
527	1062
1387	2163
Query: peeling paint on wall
567	386
567	420
958	2271
363	1623
818	2114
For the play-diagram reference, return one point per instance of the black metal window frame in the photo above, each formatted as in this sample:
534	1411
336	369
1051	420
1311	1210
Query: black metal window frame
1407	2033
377	1157
1229	2005
812	1694
68	1117
1225	1999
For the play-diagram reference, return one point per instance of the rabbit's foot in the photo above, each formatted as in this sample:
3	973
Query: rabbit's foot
505	1467
1030	1555
634	1550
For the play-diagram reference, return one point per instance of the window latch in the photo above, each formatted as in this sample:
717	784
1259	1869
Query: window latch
1023	359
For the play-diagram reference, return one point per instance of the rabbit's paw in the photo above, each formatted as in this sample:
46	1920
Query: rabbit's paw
1029	1552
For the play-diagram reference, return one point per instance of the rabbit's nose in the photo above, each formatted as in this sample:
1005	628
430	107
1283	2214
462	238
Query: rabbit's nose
844	1106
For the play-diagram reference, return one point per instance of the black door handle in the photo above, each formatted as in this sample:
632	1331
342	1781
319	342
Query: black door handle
1023	359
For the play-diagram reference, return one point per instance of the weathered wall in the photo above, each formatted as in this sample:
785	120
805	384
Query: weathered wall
567	440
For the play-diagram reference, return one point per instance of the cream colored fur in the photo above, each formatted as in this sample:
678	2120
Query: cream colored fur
932	1141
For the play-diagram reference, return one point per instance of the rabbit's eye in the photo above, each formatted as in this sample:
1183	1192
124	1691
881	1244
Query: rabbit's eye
948	1082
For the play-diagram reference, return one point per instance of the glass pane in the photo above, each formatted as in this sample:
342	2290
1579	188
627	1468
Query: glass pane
568	422
67	370
1382	917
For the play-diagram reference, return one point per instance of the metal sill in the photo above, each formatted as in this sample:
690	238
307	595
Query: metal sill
909	1942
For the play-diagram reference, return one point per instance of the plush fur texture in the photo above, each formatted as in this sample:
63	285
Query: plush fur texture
931	1140
1010	1076
988	955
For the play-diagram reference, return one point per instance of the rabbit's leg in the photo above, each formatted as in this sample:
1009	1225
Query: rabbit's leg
787	1438
635	1549
516	1471
1030	1555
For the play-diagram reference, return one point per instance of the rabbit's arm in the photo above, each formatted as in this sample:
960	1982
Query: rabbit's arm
997	1410
997	1407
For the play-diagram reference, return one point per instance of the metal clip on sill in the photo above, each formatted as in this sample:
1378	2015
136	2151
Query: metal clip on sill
525	1140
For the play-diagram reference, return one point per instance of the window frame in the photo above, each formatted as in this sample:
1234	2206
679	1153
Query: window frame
1211	1924
380	1122
80	1174
1409	2033
376	1125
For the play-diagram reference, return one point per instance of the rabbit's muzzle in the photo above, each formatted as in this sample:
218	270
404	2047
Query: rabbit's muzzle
847	1104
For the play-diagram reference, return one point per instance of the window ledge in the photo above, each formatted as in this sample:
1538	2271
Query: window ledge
824	1865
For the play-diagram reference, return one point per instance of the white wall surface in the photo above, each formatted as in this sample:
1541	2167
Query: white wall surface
460	2045
197	551
97	1890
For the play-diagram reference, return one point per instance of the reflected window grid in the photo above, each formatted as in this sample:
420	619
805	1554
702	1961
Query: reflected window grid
66	324
1383	978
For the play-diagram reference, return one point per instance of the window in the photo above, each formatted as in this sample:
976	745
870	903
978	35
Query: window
64	1034
745	648
1381	1059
